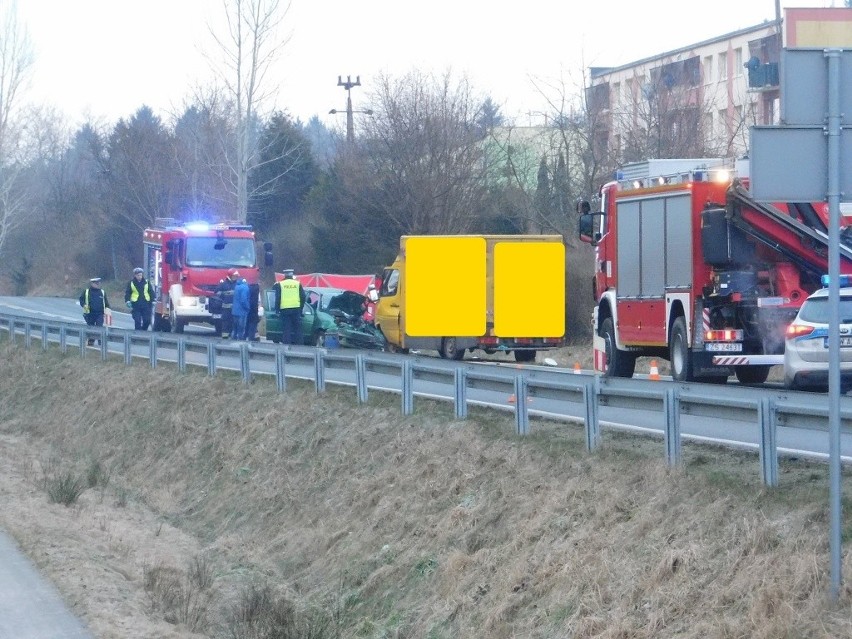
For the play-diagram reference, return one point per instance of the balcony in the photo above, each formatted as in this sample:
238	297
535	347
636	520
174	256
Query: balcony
762	76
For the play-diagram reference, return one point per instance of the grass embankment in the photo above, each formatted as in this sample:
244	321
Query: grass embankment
216	509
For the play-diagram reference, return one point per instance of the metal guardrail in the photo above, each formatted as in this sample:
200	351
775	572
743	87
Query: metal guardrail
587	392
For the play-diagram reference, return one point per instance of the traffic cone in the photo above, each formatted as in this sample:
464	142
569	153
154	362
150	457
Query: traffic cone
511	399
654	375
577	370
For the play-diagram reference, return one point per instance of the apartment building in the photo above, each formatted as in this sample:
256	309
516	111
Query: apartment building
696	101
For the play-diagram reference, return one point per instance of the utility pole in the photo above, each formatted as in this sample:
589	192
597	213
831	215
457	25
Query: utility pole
350	124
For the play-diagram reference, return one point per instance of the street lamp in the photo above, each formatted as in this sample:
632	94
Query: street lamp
350	127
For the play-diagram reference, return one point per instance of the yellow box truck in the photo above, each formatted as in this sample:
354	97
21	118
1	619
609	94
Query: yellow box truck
453	293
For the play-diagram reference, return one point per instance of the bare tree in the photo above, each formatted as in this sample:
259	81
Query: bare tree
16	59
425	153
251	45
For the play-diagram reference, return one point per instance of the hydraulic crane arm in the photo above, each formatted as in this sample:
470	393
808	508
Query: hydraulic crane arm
802	244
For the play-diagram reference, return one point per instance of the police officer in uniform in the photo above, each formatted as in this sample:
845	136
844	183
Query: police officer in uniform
138	297
95	304
289	300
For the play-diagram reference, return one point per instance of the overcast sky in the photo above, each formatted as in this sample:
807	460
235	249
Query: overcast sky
105	58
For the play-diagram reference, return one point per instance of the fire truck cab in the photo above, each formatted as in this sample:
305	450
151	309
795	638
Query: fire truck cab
186	262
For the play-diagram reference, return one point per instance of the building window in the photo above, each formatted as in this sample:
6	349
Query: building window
616	95
738	62
723	66
708	126
723	123
708	69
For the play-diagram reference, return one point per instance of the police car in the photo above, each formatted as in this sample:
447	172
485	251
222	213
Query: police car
806	344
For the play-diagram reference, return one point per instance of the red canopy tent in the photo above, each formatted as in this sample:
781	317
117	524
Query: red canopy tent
356	283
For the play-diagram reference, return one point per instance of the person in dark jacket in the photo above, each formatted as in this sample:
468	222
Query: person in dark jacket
138	297
254	313
95	304
225	292
240	309
289	301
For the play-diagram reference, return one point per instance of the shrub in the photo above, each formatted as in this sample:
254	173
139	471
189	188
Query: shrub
64	488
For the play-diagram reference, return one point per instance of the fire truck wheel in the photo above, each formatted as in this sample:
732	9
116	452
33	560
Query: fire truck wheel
752	374
449	350
176	324
679	355
161	325
618	363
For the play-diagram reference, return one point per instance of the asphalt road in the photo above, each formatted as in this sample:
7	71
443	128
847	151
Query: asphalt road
30	607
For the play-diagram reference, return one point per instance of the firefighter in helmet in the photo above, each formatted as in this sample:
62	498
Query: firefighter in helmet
225	291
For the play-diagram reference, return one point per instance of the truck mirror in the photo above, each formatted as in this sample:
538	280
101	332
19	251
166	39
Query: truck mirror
267	258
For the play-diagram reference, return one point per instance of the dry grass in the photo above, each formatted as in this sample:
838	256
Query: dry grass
358	522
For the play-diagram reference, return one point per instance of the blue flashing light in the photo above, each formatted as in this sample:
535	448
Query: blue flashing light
844	280
198	226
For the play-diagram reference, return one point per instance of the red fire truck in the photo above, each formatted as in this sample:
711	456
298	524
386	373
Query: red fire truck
690	268
185	264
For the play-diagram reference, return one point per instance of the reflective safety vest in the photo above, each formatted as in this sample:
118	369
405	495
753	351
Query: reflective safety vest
289	293
134	292
86	308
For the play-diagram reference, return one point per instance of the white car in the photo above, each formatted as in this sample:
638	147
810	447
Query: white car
806	344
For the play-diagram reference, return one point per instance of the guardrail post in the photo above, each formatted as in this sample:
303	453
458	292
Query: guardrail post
211	359
407	388
671	408
361	378
766	415
522	416
84	339
128	356
12	323
28	334
280	365
63	339
319	371
590	402
102	342
460	395
245	367
44	337
181	354
152	351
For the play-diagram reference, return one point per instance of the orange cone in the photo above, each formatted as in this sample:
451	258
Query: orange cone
577	370
654	375
511	399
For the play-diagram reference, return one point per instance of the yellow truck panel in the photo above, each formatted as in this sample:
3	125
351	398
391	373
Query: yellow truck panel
453	293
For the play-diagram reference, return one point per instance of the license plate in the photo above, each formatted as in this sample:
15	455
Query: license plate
217	316
845	341
723	347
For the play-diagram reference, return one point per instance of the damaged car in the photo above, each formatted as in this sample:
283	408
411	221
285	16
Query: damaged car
329	315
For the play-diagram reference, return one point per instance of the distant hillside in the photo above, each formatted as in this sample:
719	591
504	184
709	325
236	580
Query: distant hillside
216	509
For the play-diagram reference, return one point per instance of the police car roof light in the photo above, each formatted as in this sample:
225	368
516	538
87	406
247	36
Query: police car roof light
843	280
